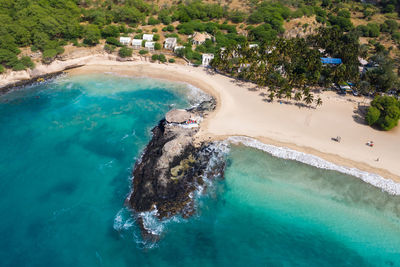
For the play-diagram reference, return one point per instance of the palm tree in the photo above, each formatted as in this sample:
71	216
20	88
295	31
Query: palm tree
288	93
318	102
308	98
271	96
297	96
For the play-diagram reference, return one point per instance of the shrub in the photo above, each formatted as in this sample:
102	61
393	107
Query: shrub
153	21
237	16
389	26
113	41
154	30
156	37
109	48
162	58
171	60
27	62
2	69
143	52
19	66
170	28
396	36
110	31
157	46
49	55
125	52
154	57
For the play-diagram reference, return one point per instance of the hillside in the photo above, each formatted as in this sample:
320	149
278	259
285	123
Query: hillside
43	31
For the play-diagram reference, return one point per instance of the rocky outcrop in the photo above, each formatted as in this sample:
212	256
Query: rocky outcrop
171	168
177	116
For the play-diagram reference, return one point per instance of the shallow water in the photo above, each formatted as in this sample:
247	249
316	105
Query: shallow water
67	148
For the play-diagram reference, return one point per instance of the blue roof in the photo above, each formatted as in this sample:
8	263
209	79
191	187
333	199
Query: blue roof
330	60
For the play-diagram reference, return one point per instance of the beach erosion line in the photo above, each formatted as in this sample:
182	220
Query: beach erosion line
376	180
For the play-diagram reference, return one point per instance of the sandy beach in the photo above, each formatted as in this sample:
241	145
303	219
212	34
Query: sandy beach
244	111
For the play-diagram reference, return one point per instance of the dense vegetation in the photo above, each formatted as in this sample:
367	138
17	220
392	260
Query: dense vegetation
290	67
384	112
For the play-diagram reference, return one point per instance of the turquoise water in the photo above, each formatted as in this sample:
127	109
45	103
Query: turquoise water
67	150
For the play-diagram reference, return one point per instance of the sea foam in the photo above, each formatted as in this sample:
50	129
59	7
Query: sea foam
286	153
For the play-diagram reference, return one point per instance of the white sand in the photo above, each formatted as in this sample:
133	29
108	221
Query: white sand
242	111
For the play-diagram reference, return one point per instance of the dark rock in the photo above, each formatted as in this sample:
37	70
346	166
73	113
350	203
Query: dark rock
170	170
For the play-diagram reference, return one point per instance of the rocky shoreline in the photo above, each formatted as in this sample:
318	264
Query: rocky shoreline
172	167
35	79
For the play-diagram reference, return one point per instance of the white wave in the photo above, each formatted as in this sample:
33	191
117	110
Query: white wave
125	136
153	224
286	153
219	151
123	220
196	95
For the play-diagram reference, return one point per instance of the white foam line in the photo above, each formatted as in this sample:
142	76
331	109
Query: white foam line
387	185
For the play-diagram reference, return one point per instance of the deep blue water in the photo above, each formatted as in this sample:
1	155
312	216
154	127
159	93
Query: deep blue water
66	154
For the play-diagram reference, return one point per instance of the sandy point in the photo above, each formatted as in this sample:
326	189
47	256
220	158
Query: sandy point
243	110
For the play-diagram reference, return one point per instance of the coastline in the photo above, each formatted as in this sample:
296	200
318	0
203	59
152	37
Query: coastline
242	111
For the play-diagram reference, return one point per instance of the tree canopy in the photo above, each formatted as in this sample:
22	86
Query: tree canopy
384	112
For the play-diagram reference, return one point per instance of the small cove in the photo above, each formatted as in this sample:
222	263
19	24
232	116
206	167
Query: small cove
67	148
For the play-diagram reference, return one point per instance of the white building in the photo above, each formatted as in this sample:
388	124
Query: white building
148	37
178	47
199	38
206	58
137	43
125	40
170	43
253	45
149	46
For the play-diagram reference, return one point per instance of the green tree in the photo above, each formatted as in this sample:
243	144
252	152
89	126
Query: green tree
382	77
49	55
27	62
162	58
113	41
125	52
372	115
110	31
92	35
157	46
384	112
154	57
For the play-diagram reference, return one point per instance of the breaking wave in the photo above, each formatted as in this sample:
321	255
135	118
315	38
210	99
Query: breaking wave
387	185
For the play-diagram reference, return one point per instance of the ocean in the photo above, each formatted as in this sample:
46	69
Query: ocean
67	148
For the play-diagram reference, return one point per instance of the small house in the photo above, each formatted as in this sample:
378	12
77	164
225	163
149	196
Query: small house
206	59
253	46
170	43
149	46
137	43
125	40
148	37
199	38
